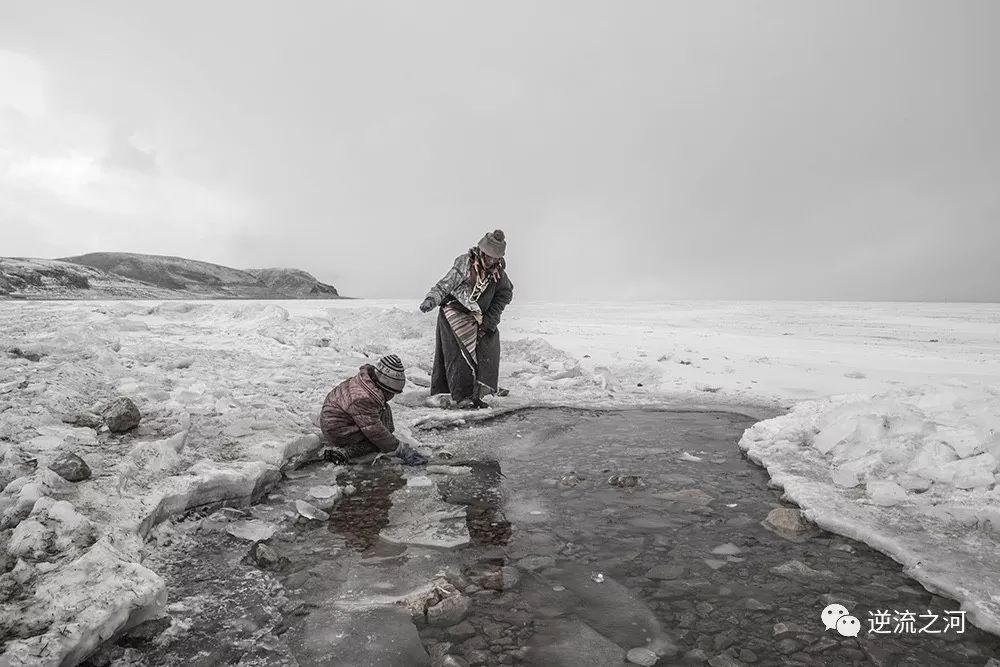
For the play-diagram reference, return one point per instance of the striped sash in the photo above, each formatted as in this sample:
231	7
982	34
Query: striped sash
465	327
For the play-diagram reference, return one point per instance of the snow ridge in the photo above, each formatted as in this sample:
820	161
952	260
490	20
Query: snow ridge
911	472
135	276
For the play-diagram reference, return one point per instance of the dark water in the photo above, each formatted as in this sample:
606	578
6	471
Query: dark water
598	566
560	502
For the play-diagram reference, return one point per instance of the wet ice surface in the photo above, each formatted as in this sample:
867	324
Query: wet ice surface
598	569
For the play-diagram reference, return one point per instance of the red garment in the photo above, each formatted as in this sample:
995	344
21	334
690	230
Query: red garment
352	413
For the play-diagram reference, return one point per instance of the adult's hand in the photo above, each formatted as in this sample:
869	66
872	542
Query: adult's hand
427	305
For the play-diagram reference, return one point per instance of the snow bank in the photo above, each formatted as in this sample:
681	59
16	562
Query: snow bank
80	605
912	472
229	391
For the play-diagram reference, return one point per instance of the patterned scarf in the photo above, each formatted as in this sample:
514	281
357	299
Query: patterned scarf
479	275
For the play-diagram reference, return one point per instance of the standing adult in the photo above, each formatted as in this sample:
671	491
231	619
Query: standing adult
471	298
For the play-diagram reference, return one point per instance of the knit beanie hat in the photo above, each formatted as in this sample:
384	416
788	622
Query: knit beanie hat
389	374
494	244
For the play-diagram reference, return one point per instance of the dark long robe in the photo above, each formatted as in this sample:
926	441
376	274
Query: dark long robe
452	372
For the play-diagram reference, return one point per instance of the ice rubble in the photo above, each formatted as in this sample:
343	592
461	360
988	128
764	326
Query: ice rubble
228	394
912	472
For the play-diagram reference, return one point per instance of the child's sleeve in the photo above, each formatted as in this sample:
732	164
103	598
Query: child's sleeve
365	415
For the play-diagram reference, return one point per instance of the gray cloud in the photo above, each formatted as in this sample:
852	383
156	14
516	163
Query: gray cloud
642	150
124	154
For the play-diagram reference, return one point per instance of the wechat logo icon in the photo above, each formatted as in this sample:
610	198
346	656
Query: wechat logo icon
836	617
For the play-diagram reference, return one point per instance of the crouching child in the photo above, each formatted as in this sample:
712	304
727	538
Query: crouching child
357	420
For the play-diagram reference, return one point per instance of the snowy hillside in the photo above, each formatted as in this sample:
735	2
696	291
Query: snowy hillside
294	283
54	279
132	276
177	273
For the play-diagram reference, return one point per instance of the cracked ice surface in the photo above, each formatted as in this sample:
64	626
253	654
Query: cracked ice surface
229	393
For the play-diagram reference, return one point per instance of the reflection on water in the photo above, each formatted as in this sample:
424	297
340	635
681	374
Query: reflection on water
562	569
487	526
359	518
679	554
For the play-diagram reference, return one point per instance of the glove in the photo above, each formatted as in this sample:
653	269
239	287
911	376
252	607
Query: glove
427	305
412	457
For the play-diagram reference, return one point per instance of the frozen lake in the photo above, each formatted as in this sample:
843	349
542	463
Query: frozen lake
228	393
678	561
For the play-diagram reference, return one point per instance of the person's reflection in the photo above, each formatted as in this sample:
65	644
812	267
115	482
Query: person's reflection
361	517
487	525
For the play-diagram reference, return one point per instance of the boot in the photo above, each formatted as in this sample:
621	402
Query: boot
335	455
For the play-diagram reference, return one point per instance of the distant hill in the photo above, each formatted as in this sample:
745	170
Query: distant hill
295	283
115	275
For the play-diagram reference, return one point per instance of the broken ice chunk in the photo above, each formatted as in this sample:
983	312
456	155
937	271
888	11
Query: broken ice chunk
323	491
310	511
845	477
885	493
727	549
253	530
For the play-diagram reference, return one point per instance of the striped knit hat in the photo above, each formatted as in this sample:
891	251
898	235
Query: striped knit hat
389	374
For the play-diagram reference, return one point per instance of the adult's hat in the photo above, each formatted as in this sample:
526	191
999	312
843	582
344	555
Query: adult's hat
494	244
389	374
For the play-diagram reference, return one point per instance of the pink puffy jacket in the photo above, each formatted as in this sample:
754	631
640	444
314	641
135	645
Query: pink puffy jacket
353	412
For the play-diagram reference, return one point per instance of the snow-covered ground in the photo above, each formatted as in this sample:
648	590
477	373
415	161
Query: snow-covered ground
229	391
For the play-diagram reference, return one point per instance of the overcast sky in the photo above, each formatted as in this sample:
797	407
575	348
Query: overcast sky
636	150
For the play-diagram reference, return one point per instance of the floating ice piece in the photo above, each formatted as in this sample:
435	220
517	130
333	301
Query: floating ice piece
727	549
690	457
310	511
642	656
253	530
795	569
419	517
714	563
597	577
323	491
420	480
449	470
